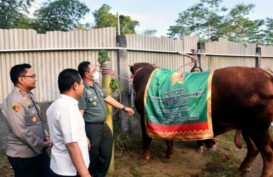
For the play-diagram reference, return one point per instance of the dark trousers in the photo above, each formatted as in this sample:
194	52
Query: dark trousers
209	142
101	139
31	167
55	175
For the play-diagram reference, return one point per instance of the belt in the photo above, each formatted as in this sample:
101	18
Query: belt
95	123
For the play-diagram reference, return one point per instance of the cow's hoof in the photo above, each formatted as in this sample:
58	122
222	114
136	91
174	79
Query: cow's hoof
200	149
242	172
166	160
144	160
213	147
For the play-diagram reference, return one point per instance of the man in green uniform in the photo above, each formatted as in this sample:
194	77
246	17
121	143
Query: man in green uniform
27	139
92	106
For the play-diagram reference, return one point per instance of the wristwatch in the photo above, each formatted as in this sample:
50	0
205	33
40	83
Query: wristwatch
123	109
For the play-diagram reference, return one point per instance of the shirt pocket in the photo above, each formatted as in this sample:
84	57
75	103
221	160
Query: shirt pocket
32	117
91	100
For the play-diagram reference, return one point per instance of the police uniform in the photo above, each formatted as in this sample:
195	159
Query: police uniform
98	132
25	131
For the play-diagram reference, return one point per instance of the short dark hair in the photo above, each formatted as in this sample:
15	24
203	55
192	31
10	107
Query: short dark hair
83	68
67	78
18	70
192	69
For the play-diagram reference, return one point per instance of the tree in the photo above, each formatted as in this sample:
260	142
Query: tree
208	20
236	27
63	15
149	32
127	25
268	32
13	13
202	20
103	18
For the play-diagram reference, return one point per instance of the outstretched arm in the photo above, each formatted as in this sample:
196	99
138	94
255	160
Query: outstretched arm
110	100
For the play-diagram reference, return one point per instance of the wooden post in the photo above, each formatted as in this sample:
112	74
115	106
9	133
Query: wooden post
106	80
258	57
194	55
200	49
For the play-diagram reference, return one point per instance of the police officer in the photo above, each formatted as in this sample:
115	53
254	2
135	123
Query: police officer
92	105
27	139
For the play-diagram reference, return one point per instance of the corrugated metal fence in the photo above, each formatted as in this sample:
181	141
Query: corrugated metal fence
52	52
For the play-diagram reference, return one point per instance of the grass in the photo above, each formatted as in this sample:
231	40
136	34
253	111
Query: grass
225	160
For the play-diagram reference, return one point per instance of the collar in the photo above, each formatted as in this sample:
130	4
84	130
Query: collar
86	85
69	99
23	93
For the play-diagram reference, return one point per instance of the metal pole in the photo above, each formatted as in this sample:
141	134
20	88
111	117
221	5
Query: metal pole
118	23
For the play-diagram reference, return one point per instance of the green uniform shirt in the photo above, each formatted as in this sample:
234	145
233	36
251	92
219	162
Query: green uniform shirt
92	102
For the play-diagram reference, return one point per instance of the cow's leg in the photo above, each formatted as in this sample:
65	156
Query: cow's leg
146	143
252	153
264	143
169	151
267	155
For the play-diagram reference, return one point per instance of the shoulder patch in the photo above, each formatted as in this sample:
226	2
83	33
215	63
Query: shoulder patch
16	107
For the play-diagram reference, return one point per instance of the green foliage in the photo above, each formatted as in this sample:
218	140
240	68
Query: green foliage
268	32
202	20
103	57
115	85
62	15
127	25
12	12
103	18
239	28
208	20
149	32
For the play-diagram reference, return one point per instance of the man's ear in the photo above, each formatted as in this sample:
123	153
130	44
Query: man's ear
20	80
85	74
74	86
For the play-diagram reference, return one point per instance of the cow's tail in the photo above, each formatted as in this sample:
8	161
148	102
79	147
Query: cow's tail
270	73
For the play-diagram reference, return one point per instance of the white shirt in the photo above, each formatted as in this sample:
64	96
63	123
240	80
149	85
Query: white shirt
66	125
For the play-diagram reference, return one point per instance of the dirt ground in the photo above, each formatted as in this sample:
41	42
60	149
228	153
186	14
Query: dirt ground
186	163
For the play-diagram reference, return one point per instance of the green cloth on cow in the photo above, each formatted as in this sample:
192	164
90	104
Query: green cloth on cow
178	105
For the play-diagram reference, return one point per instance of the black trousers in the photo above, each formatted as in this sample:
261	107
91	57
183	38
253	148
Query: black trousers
101	139
31	167
55	175
209	142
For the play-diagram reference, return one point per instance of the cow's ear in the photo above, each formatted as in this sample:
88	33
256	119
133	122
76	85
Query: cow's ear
132	69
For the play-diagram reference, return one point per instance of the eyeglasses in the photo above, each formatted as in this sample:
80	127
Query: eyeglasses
32	76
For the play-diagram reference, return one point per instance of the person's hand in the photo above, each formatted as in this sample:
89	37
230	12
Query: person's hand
88	144
47	143
86	175
129	111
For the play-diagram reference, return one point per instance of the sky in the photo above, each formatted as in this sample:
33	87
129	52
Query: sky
161	14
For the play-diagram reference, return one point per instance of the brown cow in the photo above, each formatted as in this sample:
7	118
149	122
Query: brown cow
242	98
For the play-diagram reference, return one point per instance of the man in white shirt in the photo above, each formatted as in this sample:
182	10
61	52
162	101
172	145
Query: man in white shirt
69	153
